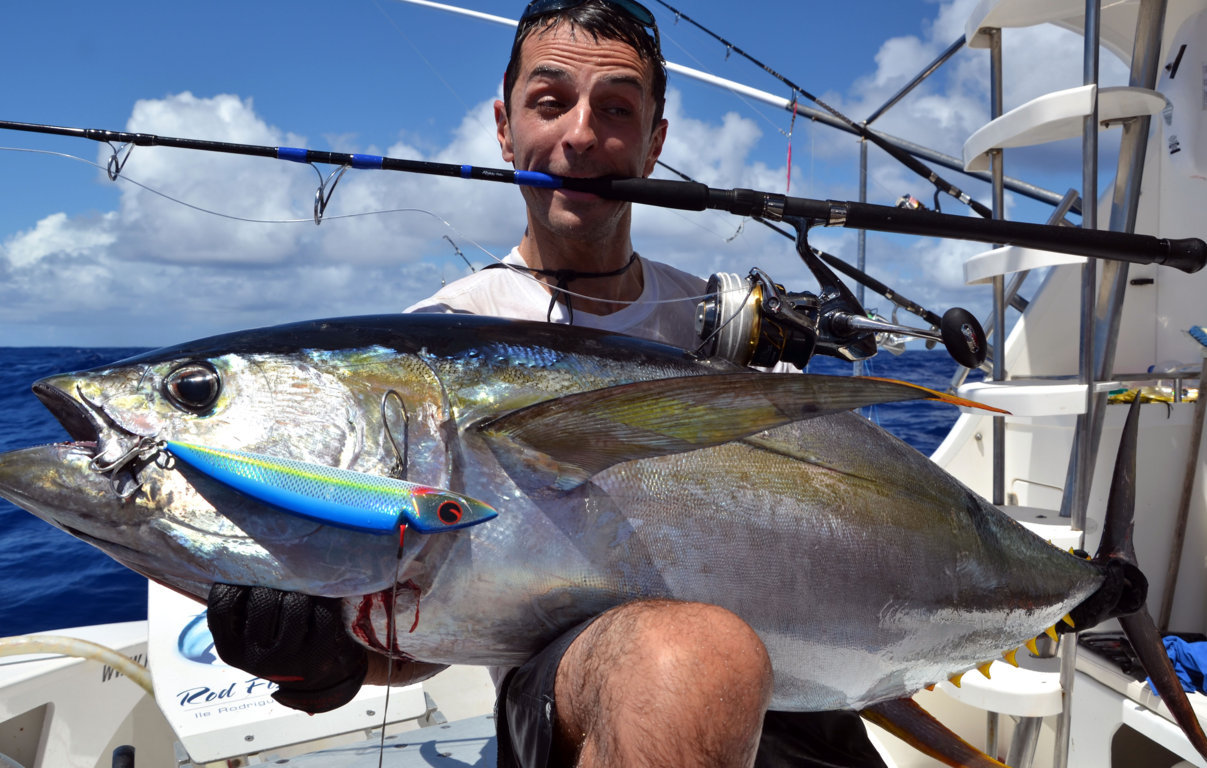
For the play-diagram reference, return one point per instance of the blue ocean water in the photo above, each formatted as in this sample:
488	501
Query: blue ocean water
50	580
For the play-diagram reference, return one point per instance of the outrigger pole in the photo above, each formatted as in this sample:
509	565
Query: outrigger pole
1187	254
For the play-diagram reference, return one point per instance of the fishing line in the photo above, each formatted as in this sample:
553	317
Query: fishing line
356	214
432	68
737	94
393	646
166	196
791	126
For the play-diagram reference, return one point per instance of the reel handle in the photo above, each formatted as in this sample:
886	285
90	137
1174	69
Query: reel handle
960	333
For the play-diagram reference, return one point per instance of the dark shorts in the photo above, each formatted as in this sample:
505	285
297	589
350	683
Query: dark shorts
525	713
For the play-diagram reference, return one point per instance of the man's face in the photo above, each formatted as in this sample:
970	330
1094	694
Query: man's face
579	107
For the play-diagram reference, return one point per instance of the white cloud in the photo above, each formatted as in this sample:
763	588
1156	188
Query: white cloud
59	234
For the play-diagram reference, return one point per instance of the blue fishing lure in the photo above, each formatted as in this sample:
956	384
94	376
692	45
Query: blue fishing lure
338	497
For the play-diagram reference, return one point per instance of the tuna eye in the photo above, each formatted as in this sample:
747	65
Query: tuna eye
193	387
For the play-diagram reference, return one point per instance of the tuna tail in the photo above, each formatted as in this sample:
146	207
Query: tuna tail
1123	593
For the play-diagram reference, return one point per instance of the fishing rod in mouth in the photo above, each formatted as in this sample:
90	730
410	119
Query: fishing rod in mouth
1186	254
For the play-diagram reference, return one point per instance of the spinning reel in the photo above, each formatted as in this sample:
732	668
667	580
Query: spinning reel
755	321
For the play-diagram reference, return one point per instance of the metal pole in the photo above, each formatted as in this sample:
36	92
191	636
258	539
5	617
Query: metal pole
999	281
1125	201
1089	274
1083	458
921	76
863	234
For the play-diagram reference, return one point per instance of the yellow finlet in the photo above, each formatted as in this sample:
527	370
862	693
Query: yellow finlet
1051	632
1009	656
1068	619
1032	647
930	687
984	669
955	679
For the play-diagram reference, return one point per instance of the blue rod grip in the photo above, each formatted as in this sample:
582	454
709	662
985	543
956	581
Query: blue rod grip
294	154
537	179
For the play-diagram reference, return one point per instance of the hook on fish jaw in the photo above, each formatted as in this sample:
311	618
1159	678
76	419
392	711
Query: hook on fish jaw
135	459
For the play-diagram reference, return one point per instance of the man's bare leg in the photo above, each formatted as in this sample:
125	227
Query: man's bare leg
658	683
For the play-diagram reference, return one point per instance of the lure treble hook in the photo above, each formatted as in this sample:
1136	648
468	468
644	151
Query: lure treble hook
322	195
145	450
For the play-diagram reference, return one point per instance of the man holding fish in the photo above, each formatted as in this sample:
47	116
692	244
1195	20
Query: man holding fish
648	682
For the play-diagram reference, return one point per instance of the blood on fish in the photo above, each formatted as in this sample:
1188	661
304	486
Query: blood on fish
411	585
362	627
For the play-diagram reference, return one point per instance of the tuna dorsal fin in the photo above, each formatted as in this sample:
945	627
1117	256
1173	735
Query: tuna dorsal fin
587	432
915	726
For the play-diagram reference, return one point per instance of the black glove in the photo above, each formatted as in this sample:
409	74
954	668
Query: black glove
297	641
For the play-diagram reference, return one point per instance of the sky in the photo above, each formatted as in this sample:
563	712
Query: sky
187	244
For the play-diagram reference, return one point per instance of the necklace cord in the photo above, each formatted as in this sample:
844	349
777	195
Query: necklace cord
562	278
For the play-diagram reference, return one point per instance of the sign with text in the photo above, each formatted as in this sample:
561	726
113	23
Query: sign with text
218	711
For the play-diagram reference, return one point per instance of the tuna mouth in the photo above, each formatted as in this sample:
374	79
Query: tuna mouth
112	547
77	420
116	452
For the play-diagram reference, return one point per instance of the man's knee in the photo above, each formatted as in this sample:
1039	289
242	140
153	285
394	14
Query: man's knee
687	644
698	643
697	667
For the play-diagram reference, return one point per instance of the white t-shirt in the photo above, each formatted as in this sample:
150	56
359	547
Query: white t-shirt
665	311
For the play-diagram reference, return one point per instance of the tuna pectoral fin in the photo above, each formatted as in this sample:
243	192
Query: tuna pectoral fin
588	432
915	726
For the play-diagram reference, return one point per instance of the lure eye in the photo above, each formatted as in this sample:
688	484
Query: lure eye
449	512
193	387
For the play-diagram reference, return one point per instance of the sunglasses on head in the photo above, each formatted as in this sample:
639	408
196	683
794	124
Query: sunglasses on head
630	8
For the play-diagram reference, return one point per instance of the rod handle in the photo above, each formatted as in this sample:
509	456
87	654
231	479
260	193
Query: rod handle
1188	254
684	195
